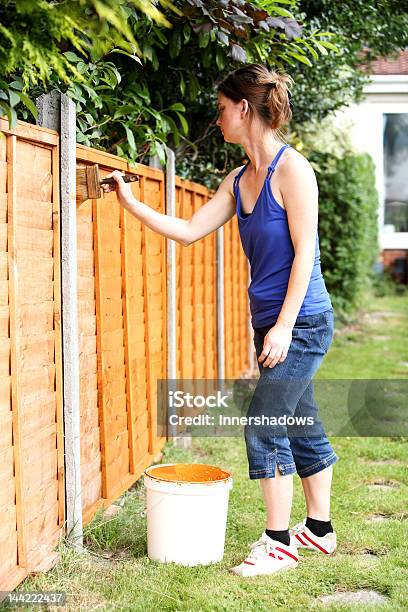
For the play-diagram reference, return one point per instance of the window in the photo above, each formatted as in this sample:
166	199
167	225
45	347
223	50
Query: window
395	144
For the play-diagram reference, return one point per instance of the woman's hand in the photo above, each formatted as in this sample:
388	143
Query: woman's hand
124	190
276	345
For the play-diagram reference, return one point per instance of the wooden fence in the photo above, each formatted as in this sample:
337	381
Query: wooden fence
122	316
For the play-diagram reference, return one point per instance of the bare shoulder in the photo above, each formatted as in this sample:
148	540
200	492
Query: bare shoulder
293	164
228	181
235	172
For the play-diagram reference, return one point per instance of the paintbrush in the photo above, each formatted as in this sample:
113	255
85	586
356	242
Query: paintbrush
89	183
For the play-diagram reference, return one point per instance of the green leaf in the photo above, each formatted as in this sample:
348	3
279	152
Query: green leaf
183	122
220	59
147	52
173	127
130	137
175	45
281	11
116	72
152	112
132	55
301	58
72	57
80	137
177	106
160	151
194	87
81	123
329	45
11	114
313	52
14	98
186	33
155	61
141	91
322	49
124	110
316	33
17	84
207	57
29	104
182	84
222	37
162	38
203	40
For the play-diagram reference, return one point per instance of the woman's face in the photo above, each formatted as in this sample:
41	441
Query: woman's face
231	120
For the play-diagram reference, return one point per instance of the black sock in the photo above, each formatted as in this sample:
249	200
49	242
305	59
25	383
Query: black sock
281	536
318	528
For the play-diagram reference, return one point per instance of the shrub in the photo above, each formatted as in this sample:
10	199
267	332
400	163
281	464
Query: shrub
348	224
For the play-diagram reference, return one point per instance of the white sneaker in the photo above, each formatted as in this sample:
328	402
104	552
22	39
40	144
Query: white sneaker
267	556
302	537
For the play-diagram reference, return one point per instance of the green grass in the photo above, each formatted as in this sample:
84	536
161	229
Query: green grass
373	343
117	575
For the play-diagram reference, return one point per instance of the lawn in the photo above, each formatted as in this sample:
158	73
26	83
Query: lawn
369	513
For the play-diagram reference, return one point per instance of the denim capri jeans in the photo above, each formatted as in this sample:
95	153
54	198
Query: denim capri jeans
292	444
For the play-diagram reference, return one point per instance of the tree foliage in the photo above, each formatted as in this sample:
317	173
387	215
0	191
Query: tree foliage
35	33
143	73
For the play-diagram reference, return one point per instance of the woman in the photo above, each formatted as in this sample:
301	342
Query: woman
275	197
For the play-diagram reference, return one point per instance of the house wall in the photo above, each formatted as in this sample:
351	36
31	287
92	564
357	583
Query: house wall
385	94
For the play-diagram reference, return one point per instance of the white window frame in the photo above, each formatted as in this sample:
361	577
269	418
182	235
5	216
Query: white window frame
389	239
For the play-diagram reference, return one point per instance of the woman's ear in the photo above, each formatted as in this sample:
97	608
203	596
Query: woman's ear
244	107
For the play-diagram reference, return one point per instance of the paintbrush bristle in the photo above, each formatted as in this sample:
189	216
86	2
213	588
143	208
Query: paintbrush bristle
88	186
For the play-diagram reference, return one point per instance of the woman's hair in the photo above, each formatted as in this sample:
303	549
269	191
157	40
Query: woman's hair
267	93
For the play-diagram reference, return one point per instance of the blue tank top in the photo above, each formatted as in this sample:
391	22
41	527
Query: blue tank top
266	241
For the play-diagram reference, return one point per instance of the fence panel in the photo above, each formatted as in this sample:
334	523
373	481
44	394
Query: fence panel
31	427
123	334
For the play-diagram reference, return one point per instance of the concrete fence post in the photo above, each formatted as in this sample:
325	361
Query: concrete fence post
154	162
171	282
56	111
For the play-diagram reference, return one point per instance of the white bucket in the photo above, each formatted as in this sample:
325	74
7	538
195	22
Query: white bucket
187	506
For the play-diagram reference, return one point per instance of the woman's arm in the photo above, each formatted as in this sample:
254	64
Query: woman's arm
300	196
209	217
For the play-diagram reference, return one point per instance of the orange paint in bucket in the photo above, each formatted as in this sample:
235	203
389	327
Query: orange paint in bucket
188	472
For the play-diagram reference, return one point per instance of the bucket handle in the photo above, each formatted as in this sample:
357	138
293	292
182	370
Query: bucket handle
144	512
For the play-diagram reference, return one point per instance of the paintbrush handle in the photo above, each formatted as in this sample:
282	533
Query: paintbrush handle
128	178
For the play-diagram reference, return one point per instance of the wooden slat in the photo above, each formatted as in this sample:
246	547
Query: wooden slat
127	225
99	322
146	292
15	353
27	131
